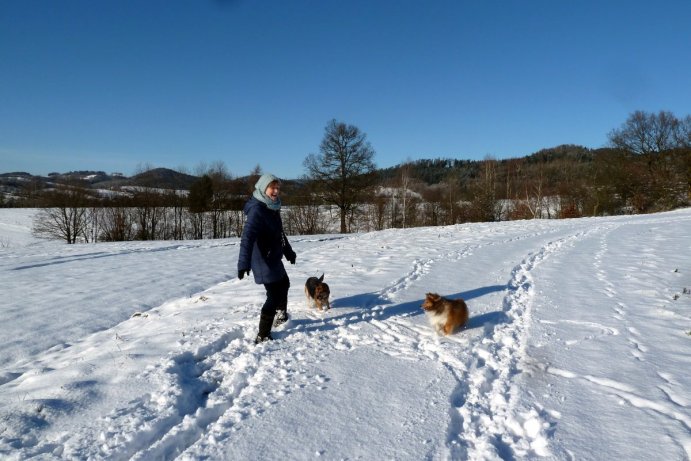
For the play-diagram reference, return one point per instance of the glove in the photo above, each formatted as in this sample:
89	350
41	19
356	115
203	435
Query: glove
242	273
291	257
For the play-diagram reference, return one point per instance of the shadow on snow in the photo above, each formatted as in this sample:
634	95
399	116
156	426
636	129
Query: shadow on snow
377	303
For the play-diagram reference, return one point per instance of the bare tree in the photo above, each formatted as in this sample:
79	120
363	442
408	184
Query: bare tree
66	217
406	173
646	133
302	213
683	134
451	193
175	227
200	200
483	190
304	220
148	211
115	224
252	179
534	193
221	218
433	208
660	142
378	211
344	168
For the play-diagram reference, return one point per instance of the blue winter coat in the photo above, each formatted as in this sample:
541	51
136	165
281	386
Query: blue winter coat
263	244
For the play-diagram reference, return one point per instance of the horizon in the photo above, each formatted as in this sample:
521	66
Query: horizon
182	86
198	174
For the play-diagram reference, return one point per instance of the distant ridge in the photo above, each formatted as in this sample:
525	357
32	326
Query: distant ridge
159	178
163	178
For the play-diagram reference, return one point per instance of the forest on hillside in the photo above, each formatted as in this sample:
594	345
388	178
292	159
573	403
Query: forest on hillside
646	169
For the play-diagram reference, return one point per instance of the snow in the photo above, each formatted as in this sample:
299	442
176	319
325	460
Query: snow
578	346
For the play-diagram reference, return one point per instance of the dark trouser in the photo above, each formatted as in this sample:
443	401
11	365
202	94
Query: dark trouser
276	299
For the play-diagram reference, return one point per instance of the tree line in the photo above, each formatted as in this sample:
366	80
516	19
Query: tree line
212	208
646	168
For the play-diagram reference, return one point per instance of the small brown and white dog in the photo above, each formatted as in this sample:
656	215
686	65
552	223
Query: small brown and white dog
445	315
317	292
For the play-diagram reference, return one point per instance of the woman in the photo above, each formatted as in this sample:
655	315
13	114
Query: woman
262	247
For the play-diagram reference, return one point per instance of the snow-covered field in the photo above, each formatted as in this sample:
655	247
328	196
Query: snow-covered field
578	346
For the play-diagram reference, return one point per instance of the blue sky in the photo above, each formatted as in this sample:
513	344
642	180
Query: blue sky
121	85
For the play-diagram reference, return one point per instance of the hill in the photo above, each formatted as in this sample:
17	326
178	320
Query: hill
586	181
16	186
163	178
435	171
577	347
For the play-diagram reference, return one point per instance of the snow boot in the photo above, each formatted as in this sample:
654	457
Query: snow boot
262	339
264	332
281	317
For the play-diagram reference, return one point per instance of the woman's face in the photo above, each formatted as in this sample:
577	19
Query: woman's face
273	190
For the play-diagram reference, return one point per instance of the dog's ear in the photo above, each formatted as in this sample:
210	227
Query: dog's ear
321	279
433	296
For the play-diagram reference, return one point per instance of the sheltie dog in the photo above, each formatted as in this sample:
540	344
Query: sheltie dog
445	315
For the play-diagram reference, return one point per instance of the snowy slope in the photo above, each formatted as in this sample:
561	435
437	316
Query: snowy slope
578	347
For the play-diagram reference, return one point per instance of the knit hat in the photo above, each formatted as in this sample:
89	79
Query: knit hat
260	191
